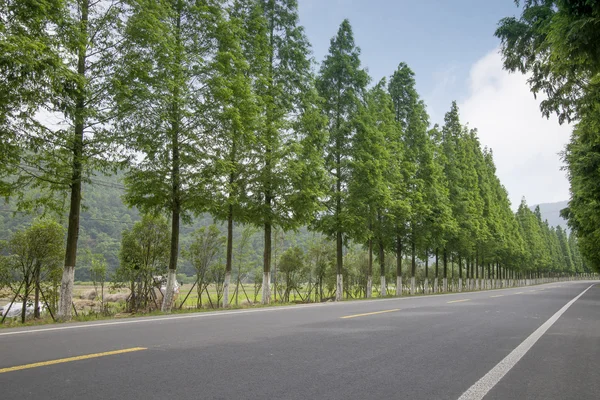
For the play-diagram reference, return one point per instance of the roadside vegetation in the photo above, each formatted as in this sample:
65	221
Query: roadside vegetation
314	185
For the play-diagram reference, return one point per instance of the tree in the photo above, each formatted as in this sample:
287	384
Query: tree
583	213
171	51
204	250
98	275
341	83
287	176
536	255
441	224
368	188
404	96
234	111
78	41
292	266
420	178
29	63
34	253
556	41
143	256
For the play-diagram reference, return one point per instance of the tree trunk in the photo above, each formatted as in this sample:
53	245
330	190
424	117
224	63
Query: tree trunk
339	293
435	279
36	297
228	257
382	268
413	265
426	283
445	283
369	291
25	297
175	217
460	274
398	266
266	285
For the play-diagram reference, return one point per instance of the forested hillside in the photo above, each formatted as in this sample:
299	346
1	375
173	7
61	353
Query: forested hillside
105	216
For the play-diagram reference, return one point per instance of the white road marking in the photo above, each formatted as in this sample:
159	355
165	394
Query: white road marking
167	318
485	384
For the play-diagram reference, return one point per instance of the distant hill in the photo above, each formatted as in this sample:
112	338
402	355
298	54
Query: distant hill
551	212
104	217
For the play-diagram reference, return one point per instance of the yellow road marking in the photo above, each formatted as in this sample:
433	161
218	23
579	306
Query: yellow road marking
519	293
498	295
458	301
371	313
65	360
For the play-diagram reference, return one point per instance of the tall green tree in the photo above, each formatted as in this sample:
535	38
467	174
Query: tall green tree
369	193
63	131
233	110
535	253
341	83
172	57
441	224
287	176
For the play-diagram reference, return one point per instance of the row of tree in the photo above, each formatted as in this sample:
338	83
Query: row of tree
213	106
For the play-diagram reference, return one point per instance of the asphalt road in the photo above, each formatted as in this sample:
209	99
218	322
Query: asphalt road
435	347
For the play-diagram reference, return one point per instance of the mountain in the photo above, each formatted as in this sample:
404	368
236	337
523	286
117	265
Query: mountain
551	212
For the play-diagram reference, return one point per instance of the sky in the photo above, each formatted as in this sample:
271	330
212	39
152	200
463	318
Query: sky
451	47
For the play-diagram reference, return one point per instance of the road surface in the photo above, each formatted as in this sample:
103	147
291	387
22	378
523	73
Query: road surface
539	342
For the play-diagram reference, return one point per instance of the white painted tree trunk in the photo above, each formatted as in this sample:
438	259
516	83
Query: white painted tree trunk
445	285
435	285
167	303
226	289
266	288
398	286
369	286
339	291
66	294
412	285
426	285
460	284
383	291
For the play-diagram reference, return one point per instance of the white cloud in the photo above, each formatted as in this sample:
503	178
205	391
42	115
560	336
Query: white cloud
525	144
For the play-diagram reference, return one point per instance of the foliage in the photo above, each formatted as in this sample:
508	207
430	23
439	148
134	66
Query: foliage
204	251
143	256
556	42
34	257
98	275
341	83
292	265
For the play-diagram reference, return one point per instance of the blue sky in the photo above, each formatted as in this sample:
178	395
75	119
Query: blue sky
438	39
451	47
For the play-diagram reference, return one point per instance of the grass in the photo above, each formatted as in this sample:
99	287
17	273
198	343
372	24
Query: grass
189	306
